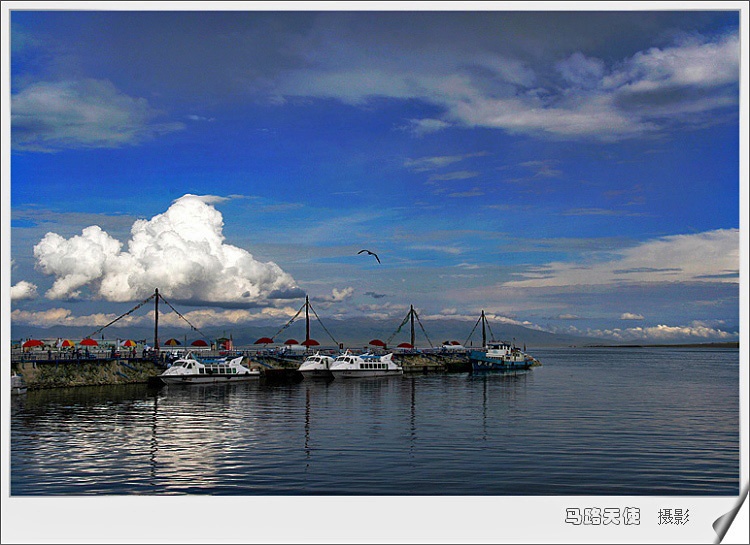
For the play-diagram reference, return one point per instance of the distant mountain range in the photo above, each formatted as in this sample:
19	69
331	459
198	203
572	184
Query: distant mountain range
352	333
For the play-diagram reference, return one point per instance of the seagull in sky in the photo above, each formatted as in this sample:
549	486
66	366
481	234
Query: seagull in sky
371	253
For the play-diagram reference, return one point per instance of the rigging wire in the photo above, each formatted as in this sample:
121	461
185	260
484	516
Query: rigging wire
492	335
423	330
122	316
289	322
389	339
323	326
466	343
487	323
181	316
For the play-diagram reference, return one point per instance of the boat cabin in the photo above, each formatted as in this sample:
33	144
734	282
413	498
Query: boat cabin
207	368
367	365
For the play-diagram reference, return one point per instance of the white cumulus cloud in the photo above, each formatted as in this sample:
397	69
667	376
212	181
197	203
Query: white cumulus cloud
630	316
182	252
23	290
337	295
340	295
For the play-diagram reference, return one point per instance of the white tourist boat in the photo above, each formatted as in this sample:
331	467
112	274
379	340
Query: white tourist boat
191	370
350	365
317	366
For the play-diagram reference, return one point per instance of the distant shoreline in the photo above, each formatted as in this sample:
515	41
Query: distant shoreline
687	345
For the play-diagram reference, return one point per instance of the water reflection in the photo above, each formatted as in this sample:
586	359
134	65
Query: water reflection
412	417
422	434
154	445
307	425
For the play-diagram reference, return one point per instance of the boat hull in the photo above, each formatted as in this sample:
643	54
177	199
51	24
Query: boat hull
366	373
203	379
481	362
317	373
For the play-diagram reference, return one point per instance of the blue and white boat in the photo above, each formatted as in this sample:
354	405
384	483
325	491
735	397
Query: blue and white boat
500	356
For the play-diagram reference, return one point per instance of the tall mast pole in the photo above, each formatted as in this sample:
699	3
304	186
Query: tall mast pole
484	333
156	319
307	320
411	313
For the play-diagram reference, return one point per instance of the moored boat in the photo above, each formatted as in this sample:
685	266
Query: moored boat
500	356
191	370
317	366
349	365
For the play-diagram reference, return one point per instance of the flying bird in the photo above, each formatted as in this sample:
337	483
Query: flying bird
371	253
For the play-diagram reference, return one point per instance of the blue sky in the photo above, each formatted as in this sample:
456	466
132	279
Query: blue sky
574	172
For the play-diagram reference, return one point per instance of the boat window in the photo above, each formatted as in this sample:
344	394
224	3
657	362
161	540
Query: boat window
201	371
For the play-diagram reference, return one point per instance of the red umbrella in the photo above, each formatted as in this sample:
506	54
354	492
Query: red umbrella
377	342
89	342
310	342
32	343
199	342
264	340
129	343
405	345
173	342
67	343
290	341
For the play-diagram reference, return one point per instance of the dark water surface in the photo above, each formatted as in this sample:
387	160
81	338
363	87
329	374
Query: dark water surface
652	421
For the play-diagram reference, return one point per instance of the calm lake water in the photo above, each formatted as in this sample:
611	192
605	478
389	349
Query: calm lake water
588	422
